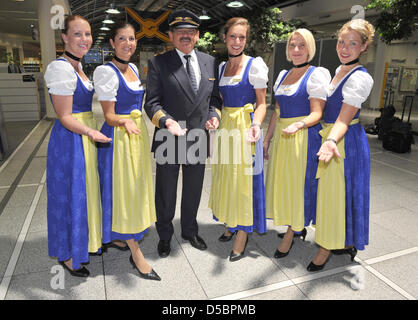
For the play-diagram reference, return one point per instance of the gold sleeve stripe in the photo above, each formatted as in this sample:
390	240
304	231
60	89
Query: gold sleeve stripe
156	118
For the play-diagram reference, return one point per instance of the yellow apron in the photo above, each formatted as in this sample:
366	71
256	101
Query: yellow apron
330	208
231	195
285	181
94	205
133	188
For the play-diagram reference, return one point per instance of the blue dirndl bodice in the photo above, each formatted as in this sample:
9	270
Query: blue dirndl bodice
297	104
127	99
334	101
240	94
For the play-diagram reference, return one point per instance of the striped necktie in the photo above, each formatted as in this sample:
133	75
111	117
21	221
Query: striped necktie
190	72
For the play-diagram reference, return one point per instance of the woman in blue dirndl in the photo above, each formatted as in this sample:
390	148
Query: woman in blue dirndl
73	209
300	98
125	163
342	224
237	195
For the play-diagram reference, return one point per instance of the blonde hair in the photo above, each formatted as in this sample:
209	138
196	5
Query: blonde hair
363	27
309	40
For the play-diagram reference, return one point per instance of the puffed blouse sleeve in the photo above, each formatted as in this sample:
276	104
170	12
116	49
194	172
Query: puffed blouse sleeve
318	83
60	78
279	78
106	83
357	88
258	75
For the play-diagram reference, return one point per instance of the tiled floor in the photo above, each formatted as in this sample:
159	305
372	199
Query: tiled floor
388	266
16	133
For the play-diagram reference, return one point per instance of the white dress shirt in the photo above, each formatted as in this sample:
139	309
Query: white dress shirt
194	64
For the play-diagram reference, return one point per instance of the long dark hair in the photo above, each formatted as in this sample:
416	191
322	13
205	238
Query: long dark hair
119	25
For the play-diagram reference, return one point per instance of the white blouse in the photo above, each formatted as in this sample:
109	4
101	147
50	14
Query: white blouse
258	74
316	86
61	78
106	82
356	89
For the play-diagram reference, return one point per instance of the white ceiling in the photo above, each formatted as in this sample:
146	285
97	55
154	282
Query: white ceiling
16	17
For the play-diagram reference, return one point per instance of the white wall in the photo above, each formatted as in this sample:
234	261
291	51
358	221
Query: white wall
401	51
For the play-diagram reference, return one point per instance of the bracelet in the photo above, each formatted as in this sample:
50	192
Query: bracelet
304	123
255	124
330	139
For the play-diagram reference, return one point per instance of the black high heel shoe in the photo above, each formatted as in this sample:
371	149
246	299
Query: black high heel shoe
112	245
82	272
224	238
313	267
350	251
278	254
149	276
237	256
302	235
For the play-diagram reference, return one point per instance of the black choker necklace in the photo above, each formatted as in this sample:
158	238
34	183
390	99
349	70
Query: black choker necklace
120	60
301	65
70	55
351	62
234	56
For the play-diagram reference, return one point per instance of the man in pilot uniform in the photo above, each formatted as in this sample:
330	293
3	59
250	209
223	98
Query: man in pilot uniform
183	102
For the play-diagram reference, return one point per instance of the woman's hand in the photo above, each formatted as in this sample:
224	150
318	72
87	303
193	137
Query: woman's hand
328	150
97	136
266	145
130	126
294	127
254	133
338	130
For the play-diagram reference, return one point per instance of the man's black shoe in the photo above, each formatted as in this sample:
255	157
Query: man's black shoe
196	242
164	248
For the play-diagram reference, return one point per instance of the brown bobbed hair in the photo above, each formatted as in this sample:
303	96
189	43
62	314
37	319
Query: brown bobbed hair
236	21
69	19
